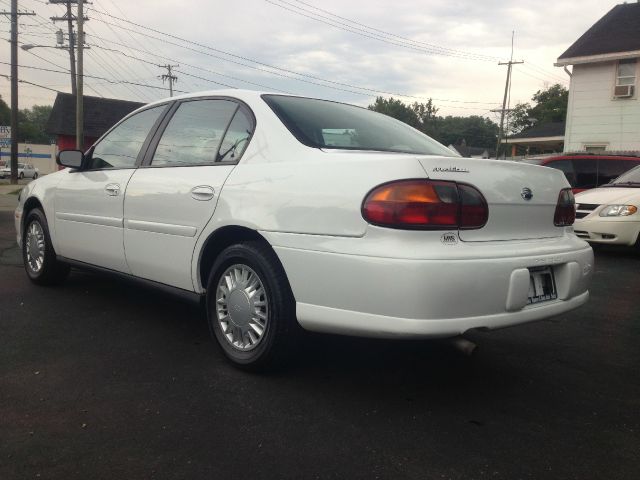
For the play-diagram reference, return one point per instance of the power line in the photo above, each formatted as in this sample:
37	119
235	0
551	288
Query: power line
368	34
115	82
488	57
169	76
8	77
185	65
414	44
287	73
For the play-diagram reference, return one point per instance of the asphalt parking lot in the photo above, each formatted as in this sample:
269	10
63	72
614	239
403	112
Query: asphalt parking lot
105	380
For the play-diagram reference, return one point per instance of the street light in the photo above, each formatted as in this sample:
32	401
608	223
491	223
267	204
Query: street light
28	46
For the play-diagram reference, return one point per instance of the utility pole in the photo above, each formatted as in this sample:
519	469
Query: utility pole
75	41
80	82
14	14
507	88
169	76
69	18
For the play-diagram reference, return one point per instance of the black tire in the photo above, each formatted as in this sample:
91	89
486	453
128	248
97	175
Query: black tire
21	175
51	272
282	329
35	175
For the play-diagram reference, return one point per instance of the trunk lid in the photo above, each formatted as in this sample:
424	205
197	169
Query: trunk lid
504	185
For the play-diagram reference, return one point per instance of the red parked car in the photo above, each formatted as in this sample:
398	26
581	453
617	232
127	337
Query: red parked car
585	171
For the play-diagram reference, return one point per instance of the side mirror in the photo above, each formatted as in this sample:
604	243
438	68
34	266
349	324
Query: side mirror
70	158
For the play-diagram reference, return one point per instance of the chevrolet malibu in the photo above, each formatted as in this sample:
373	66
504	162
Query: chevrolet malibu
609	214
284	212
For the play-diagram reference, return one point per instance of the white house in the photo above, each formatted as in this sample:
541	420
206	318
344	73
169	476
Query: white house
604	108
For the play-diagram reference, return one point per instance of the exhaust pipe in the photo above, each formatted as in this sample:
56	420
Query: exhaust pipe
464	346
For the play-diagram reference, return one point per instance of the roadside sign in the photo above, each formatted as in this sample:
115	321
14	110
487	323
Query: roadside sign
5	136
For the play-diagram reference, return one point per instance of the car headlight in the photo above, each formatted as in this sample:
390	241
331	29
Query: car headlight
618	210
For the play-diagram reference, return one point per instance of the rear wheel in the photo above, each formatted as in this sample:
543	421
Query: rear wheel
250	307
38	255
35	175
21	175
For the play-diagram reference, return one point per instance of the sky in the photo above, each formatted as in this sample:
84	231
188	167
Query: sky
351	51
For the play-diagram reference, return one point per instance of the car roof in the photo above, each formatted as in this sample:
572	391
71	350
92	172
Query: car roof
239	93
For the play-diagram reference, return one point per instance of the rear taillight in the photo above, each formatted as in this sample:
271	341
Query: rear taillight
426	204
565	209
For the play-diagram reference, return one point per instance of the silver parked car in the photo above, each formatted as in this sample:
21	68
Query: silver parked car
25	170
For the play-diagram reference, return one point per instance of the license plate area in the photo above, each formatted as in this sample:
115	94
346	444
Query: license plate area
542	285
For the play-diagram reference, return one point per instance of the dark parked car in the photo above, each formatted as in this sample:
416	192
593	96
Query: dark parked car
588	171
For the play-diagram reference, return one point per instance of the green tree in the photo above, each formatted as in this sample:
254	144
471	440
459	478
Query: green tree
397	109
475	130
32	122
5	113
550	105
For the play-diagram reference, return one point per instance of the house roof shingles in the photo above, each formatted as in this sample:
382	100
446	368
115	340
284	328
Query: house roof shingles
467	151
618	31
100	114
552	129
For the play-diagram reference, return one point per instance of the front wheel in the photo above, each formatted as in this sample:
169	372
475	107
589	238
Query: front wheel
38	255
35	175
21	175
250	306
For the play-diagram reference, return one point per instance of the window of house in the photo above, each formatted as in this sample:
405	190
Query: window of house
595	148
626	72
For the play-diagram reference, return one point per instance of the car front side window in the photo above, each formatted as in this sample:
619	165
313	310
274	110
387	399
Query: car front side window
121	146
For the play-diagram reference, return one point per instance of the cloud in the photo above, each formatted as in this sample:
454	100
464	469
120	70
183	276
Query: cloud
258	30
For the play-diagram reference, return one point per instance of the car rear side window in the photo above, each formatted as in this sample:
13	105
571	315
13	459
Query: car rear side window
121	146
331	125
194	133
237	137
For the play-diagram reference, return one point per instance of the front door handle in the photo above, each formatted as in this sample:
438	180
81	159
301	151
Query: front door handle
202	193
112	189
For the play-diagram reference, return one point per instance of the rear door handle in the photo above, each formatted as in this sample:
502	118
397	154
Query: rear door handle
112	189
202	193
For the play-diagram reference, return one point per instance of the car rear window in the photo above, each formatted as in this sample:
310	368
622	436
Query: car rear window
332	125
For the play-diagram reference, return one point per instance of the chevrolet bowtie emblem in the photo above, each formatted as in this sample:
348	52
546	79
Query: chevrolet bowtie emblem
526	193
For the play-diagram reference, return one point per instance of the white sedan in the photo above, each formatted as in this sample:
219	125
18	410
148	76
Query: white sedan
25	170
286	212
609	214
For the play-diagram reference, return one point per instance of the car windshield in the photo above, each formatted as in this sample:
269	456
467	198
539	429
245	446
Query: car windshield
325	124
630	178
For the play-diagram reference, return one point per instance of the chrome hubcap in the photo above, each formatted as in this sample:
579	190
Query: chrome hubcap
242	307
35	246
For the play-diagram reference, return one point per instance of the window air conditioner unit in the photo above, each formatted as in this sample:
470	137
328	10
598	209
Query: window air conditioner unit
623	91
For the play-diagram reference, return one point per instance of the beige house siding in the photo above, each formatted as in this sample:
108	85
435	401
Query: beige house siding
594	117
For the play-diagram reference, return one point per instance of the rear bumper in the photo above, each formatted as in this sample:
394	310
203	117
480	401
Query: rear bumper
615	231
331	320
399	297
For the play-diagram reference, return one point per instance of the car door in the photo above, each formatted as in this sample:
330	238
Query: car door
89	202
171	197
